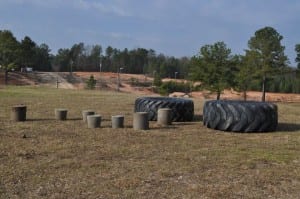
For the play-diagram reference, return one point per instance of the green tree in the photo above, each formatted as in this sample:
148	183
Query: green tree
242	77
95	58
108	58
28	52
169	67
77	57
43	58
9	51
297	60
61	60
157	81
212	67
267	53
125	59
117	61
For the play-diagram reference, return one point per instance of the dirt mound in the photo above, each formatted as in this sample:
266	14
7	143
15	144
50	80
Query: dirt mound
15	78
130	83
232	95
50	79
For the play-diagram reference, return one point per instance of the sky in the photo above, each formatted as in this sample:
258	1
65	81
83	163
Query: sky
172	27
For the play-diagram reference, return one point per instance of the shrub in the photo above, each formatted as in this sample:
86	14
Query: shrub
91	83
157	80
136	82
169	87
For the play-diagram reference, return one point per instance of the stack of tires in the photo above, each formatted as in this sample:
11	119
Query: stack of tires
240	116
182	109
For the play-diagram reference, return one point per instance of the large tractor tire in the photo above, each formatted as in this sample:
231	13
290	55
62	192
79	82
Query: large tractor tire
240	116
182	109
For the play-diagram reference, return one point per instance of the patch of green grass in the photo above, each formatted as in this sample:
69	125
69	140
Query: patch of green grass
65	159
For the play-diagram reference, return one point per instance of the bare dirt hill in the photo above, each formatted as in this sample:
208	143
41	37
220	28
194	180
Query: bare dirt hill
51	79
130	83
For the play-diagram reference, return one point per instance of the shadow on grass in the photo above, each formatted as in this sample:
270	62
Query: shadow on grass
105	120
185	123
39	120
51	119
153	127
288	127
74	119
198	118
163	127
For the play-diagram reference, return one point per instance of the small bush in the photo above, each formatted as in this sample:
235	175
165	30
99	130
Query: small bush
136	82
91	83
170	87
157	80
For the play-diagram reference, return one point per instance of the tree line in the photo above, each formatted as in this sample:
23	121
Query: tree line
81	57
264	66
16	54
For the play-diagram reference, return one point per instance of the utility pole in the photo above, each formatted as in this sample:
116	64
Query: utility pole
71	68
100	67
119	79
154	72
176	75
57	82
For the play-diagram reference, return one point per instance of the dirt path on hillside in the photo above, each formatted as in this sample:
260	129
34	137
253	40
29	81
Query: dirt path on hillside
108	81
51	79
111	79
38	79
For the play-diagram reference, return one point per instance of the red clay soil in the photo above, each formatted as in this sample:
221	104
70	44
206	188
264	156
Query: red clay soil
112	78
16	79
251	95
108	81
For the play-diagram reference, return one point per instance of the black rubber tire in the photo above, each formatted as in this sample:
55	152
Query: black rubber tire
240	116
182	109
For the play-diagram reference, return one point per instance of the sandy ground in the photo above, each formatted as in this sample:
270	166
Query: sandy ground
112	78
109	81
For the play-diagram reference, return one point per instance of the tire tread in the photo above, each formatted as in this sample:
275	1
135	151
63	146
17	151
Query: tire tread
240	116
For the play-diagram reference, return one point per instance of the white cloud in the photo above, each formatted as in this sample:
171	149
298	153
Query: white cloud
36	3
111	7
175	26
255	12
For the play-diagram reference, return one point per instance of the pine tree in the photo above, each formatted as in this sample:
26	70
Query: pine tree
212	67
267	54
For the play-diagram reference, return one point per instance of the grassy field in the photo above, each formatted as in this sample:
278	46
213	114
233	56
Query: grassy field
45	158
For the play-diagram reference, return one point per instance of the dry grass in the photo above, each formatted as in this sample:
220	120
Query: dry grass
67	160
